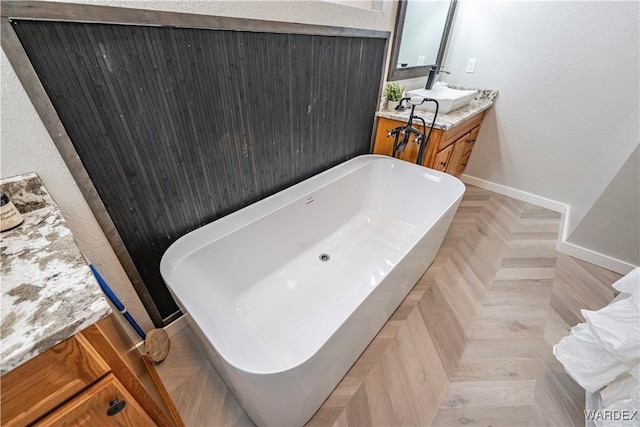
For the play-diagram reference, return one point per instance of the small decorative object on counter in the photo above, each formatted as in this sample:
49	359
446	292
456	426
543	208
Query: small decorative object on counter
394	93
9	215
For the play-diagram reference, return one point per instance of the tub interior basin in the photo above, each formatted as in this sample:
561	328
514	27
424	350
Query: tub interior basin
260	283
448	99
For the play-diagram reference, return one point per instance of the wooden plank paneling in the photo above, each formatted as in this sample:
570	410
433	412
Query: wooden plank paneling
178	127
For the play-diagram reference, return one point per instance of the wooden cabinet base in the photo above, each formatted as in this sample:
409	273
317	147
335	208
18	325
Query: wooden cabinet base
73	383
44	382
447	151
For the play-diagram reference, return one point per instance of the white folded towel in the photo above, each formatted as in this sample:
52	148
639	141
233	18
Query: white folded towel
630	283
605	348
623	413
619	389
585	361
616	328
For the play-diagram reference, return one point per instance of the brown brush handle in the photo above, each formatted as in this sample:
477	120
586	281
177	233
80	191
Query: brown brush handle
173	411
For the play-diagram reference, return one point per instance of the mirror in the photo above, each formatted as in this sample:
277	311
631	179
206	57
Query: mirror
420	37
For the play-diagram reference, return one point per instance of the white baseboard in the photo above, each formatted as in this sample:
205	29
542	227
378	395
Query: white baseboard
516	194
594	257
585	254
563	245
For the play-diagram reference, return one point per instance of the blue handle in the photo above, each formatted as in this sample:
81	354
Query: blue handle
114	299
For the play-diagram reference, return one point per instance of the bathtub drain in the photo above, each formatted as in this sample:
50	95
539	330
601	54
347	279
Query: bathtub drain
324	257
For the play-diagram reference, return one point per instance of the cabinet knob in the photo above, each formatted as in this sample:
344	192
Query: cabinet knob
443	163
115	406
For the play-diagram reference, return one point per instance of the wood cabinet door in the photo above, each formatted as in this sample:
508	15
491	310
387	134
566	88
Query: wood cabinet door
384	143
44	382
90	408
473	135
459	148
463	163
441	161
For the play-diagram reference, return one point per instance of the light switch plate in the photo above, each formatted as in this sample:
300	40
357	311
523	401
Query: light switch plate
471	65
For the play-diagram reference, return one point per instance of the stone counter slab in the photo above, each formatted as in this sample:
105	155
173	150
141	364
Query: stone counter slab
48	291
483	101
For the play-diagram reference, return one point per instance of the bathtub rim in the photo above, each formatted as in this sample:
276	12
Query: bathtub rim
359	162
171	258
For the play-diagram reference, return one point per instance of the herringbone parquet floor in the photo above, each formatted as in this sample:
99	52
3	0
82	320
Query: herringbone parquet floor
470	345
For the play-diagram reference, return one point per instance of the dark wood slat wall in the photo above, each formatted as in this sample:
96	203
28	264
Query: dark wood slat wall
178	127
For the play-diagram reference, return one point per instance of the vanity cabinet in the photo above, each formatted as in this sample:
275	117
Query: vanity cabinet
81	381
71	362
448	150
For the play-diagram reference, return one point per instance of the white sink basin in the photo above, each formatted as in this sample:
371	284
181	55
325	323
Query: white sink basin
448	99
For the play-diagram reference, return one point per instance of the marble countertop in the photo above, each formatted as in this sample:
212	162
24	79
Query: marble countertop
48	291
483	101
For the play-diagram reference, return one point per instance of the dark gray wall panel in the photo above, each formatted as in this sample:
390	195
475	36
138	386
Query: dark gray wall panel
178	127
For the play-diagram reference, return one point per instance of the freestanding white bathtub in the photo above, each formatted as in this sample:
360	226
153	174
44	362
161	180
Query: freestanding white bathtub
285	294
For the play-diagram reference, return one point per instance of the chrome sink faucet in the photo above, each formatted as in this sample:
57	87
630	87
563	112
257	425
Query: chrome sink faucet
434	70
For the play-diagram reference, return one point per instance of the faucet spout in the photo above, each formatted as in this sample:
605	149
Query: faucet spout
434	70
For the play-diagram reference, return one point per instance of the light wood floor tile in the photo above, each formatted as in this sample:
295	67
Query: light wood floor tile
358	412
200	394
470	394
497	369
396	386
510	322
527	292
508	416
470	345
326	416
426	375
380	404
556	390
530	248
580	282
447	334
533	212
530	262
566	305
526	273
497	348
343	420
460	296
467	275
555	329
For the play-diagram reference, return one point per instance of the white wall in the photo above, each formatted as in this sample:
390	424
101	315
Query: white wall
25	145
566	118
613	223
368	14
